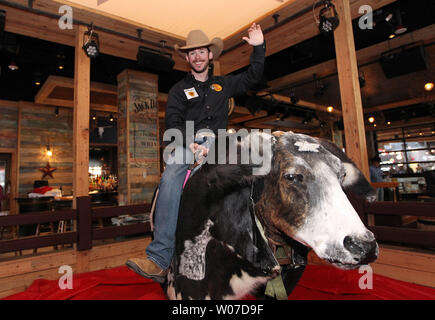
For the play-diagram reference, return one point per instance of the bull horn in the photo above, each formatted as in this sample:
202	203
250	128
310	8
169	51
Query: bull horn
278	134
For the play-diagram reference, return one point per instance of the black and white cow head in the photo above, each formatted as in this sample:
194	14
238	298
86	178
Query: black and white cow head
303	199
222	253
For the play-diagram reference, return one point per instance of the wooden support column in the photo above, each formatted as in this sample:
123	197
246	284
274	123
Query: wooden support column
217	71
81	118
352	110
138	132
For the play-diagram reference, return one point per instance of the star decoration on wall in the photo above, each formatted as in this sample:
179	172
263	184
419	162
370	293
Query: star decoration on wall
47	170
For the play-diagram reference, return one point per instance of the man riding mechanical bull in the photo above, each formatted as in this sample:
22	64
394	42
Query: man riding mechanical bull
231	219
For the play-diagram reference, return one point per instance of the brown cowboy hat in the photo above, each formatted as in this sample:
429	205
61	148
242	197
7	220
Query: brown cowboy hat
198	39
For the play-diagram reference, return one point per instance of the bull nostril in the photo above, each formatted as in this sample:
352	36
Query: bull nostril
351	245
363	251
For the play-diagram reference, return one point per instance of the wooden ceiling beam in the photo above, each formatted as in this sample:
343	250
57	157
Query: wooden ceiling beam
45	27
403	103
402	123
301	103
287	35
258	114
278	128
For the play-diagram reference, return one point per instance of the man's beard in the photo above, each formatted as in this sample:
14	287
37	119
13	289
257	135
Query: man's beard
194	68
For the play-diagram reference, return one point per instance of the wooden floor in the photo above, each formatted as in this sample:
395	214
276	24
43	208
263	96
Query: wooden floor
18	272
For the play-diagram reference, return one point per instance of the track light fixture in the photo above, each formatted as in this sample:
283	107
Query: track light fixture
157	60
400	28
428	86
293	98
328	18
91	43
13	66
2	22
37	76
60	61
362	79
319	87
309	116
394	20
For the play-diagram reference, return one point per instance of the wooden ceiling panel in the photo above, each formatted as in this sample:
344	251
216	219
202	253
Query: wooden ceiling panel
289	34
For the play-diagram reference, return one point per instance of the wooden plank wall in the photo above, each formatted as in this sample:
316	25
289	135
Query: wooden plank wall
18	274
400	264
40	126
8	124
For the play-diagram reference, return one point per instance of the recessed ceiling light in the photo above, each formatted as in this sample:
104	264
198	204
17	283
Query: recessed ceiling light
428	86
13	66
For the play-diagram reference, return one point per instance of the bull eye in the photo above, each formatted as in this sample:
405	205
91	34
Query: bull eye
294	177
342	177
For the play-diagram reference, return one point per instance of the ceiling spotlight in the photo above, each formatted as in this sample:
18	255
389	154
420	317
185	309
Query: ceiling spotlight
330	109
404	115
94	117
389	17
157	60
428	86
2	22
111	118
391	36
293	98
362	79
91	43
400	28
13	66
309	117
37	76
371	119
60	61
328	18
320	87
388	122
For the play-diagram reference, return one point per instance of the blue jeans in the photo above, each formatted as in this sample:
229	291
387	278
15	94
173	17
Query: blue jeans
161	249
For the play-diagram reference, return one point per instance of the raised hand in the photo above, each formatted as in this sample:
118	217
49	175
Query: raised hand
255	35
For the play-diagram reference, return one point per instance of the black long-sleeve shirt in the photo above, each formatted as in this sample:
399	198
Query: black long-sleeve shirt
206	103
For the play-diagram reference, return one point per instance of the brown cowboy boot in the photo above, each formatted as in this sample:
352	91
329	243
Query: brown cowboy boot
147	269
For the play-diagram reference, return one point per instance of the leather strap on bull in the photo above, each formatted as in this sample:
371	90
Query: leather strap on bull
285	255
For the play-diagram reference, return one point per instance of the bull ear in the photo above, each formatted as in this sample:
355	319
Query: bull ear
354	181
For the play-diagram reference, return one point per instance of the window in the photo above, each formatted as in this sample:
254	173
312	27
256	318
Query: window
407	150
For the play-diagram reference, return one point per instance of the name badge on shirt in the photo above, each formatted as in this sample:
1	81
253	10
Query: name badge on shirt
191	93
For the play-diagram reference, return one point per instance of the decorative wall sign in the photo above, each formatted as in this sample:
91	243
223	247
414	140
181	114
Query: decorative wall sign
47	170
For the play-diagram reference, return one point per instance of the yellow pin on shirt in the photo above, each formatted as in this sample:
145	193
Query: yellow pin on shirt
216	87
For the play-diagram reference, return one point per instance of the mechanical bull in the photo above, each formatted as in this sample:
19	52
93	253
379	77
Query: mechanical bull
230	219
